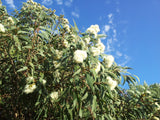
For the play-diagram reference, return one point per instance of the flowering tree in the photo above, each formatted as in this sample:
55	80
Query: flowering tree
50	70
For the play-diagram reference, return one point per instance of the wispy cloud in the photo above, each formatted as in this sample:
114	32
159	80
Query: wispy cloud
11	3
68	3
109	29
118	53
108	1
106	28
109	47
126	60
59	2
110	17
62	11
47	2
75	14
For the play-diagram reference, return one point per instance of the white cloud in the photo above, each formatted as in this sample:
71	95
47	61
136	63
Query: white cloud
75	14
126	60
109	43
118	53
114	34
106	28
110	15
47	2
11	3
118	10
108	1
62	11
59	2
68	3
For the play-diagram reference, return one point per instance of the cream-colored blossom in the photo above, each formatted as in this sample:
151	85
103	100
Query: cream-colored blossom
54	95
87	40
30	1
56	64
30	79
35	3
43	81
11	20
74	37
58	54
65	43
95	51
148	92
112	83
97	67
93	29
2	28
158	106
82	43
79	56
43	7
109	59
65	21
39	7
29	88
100	46
66	27
155	118
56	74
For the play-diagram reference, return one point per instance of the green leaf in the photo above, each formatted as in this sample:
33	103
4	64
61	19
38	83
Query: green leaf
28	47
80	113
94	103
31	64
74	102
77	72
37	103
22	69
17	43
101	36
90	81
75	26
85	96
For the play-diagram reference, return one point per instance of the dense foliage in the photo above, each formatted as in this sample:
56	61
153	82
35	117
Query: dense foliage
50	70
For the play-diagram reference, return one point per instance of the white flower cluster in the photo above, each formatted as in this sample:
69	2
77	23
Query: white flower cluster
155	118
66	27
32	2
109	59
43	81
54	95
100	46
98	49
65	21
29	88
87	40
35	5
74	38
58	54
97	67
148	92
65	43
93	29
95	51
11	20
158	106
2	28
80	56
112	83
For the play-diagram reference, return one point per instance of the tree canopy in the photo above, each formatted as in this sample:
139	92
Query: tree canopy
51	70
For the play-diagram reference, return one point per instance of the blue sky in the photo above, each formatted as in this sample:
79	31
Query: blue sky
132	26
